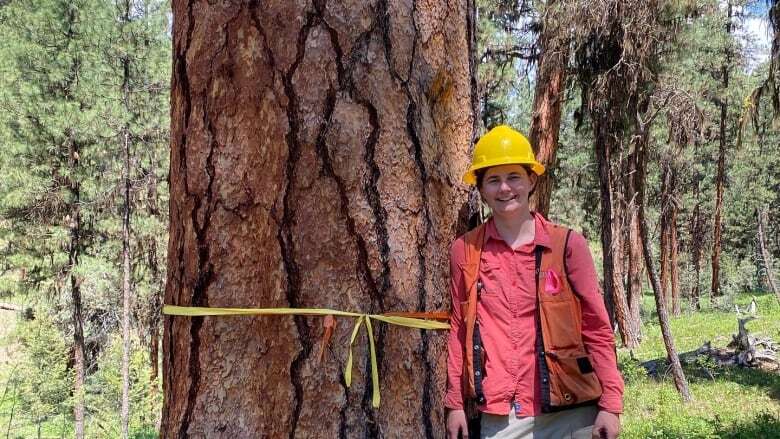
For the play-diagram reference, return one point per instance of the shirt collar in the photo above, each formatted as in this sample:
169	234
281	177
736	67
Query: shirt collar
541	237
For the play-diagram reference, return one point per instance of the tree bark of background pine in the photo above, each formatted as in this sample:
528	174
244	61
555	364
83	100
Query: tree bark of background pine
316	156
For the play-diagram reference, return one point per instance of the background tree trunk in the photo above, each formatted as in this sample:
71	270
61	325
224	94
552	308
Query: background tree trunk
666	232
720	178
612	243
697	242
761	218
636	270
316	155
153	325
548	99
674	263
680	382
153	262
665	265
126	208
125	410
635	177
74	255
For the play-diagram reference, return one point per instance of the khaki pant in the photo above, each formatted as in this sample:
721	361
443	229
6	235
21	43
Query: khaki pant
568	424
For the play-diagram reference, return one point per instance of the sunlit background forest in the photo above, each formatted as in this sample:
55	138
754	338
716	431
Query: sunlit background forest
84	132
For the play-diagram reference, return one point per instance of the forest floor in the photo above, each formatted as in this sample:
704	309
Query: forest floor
729	402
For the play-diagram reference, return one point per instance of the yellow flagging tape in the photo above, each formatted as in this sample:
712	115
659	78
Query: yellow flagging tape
194	311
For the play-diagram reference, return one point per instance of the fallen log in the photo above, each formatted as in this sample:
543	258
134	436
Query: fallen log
26	311
744	350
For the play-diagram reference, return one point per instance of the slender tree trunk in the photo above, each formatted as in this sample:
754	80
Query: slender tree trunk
126	290
720	179
126	208
697	238
665	266
666	244
766	256
74	226
316	151
74	254
154	319
674	264
548	99
663	318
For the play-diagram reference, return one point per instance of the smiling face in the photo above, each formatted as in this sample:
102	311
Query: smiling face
505	189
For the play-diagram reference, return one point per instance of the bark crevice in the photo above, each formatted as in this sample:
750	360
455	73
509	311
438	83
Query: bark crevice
285	234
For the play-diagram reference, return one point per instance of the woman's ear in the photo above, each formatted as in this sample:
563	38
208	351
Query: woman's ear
534	179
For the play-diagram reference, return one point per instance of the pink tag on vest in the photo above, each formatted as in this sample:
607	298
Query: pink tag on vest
552	283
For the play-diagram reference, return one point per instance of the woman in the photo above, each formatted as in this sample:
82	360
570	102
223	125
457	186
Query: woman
530	342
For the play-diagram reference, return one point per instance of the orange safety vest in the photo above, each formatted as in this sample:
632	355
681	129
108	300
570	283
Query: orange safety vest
568	379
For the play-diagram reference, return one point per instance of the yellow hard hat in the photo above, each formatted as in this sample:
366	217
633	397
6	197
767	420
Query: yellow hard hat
501	146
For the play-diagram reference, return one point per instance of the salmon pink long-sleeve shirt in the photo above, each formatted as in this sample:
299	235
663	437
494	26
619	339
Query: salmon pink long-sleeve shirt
506	313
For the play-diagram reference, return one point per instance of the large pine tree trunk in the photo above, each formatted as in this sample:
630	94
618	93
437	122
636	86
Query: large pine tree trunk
548	100
316	155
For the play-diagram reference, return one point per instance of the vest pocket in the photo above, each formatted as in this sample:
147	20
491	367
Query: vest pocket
572	379
559	325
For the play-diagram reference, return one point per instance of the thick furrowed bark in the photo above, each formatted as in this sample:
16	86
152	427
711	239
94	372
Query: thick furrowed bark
548	99
315	162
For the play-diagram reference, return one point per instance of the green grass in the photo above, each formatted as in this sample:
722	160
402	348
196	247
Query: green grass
728	402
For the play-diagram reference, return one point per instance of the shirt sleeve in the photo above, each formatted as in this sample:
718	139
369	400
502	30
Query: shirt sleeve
596	331
457	335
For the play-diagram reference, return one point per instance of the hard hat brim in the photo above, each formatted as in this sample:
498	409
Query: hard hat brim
470	177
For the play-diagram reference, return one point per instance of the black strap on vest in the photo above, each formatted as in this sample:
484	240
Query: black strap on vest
543	370
479	371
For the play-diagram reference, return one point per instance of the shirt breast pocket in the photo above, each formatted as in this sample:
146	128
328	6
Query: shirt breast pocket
491	277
